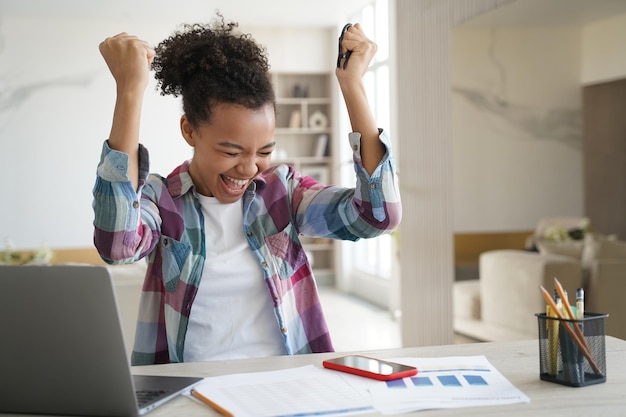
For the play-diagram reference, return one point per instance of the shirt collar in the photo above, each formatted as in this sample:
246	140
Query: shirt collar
179	181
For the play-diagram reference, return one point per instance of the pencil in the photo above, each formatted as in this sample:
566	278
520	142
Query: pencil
212	404
581	344
569	311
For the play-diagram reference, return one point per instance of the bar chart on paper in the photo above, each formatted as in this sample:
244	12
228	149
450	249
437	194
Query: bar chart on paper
446	377
448	382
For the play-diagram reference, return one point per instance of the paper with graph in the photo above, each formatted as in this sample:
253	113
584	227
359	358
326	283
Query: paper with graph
312	391
448	382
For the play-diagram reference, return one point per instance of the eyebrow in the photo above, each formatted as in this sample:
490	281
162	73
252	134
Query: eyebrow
239	147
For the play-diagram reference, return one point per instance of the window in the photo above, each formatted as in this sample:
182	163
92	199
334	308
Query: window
371	261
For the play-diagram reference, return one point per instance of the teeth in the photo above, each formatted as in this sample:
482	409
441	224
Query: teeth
235	181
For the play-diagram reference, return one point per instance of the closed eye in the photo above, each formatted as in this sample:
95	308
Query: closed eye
264	151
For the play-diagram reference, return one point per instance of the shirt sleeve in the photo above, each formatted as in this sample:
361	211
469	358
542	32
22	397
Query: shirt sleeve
371	208
381	187
119	234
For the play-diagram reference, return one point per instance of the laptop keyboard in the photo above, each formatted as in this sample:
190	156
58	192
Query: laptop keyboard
145	397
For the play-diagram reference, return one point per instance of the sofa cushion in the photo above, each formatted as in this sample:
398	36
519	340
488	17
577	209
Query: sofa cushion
466	296
487	332
602	247
509	286
610	249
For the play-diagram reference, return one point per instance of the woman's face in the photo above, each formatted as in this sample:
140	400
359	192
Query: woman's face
230	151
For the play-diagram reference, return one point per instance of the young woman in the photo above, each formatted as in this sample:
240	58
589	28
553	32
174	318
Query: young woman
227	276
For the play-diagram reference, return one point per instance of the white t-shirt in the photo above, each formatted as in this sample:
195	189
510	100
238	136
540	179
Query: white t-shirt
232	315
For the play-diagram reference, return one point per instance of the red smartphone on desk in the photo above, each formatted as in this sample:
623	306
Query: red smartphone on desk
370	367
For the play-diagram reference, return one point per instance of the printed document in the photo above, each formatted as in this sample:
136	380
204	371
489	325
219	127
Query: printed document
446	382
449	382
303	391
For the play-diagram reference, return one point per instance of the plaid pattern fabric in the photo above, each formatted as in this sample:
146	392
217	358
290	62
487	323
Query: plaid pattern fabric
163	223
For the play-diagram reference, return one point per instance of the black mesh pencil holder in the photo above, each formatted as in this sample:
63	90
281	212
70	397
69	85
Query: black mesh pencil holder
572	352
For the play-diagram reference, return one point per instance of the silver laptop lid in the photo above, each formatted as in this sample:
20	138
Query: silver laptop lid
62	349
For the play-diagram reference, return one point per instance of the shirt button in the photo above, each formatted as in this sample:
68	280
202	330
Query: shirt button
249	233
121	167
372	186
264	264
135	204
355	147
276	298
283	329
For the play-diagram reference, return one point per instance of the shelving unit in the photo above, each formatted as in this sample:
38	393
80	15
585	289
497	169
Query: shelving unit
304	135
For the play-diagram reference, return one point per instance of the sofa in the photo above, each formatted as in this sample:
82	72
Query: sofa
127	283
501	304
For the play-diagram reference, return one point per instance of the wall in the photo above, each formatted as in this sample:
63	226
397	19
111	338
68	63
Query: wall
298	50
517	119
516	126
56	99
424	128
603	75
604	50
605	156
428	156
56	103
56	106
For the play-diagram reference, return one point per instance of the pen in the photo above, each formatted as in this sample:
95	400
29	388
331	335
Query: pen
580	315
580	304
212	404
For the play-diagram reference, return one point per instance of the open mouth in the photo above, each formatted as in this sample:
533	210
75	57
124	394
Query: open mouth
234	185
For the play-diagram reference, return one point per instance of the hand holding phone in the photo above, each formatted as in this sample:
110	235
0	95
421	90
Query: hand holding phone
370	367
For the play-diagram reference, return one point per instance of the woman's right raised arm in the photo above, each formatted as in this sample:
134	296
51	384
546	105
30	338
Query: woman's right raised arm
129	59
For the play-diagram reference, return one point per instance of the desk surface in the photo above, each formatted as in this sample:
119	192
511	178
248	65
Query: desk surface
517	361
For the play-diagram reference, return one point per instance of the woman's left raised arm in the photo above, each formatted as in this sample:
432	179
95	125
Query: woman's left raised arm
350	78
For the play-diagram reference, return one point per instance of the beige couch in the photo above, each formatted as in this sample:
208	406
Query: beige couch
127	282
502	303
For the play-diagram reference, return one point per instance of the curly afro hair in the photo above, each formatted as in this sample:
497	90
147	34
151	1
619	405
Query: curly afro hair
212	64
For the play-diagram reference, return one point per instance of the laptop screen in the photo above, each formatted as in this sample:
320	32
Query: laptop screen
63	350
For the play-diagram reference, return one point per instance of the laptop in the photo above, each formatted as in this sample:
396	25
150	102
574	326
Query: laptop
62	350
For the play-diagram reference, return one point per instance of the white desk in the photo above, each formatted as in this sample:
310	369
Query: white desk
517	361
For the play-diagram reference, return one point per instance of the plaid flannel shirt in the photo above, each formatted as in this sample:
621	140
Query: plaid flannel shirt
163	222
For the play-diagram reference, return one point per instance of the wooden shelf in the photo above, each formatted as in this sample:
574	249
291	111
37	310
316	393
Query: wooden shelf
303	114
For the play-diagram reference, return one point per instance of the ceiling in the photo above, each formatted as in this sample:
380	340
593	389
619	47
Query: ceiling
295	13
550	12
260	13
